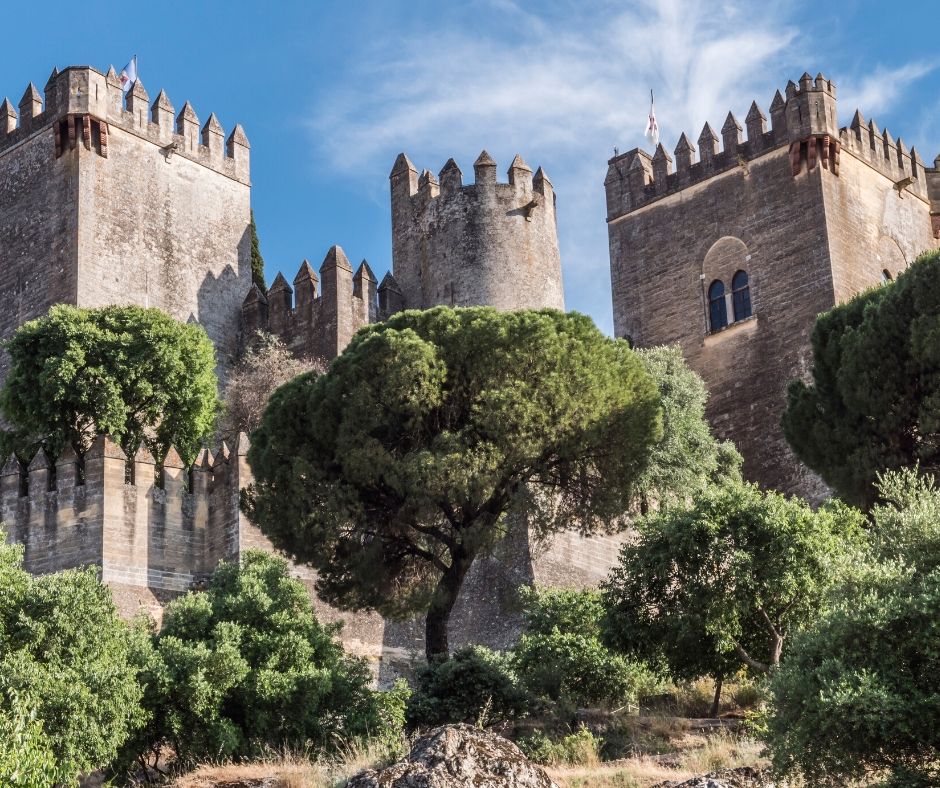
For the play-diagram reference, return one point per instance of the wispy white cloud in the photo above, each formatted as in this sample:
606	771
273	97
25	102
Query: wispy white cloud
880	90
562	85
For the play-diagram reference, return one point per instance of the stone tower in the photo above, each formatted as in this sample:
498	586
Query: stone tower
485	243
732	256
104	201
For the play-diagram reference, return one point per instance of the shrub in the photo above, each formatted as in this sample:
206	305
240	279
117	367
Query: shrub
561	657
857	696
26	758
67	677
474	685
581	748
245	666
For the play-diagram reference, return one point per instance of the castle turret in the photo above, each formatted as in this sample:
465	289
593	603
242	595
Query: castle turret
465	244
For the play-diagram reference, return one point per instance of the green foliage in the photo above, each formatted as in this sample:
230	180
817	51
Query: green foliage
67	677
257	261
134	373
858	696
873	403
561	658
474	685
26	758
687	457
581	748
245	666
727	579
393	471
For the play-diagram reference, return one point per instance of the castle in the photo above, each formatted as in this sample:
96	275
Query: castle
733	255
106	200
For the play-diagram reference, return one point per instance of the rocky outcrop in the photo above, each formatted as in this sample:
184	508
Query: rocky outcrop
458	756
743	777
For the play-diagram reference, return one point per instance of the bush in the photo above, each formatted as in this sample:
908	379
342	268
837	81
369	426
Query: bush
581	748
245	666
857	696
68	686
475	685
562	659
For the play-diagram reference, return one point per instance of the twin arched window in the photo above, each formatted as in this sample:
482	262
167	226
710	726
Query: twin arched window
740	301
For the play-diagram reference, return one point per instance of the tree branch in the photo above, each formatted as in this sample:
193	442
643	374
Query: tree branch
749	660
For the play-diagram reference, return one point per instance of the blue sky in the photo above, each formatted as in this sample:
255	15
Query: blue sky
330	92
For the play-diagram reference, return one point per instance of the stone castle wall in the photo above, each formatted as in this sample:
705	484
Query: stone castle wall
811	212
103	204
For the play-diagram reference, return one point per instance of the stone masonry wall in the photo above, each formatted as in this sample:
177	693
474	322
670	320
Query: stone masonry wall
488	243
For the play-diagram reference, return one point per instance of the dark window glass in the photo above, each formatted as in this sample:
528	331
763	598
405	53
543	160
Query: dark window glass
886	276
741	296
717	311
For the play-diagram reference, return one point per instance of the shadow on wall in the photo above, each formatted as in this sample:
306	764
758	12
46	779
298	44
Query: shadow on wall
219	302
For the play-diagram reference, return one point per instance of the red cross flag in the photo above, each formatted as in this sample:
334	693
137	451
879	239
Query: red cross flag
652	127
129	75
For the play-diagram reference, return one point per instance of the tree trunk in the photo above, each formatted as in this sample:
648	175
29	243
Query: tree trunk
714	710
776	649
442	604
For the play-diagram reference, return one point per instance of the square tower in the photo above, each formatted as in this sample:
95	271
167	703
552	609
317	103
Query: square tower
733	255
106	203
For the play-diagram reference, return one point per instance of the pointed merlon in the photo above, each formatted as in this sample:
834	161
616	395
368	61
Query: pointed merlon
365	273
684	145
222	454
519	164
389	282
7	109
255	296
31	103
242	444
12	467
427	179
139	92
707	133
402	164
144	456
731	124
858	122
484	160
707	142
660	154
52	76
40	461
279	284
305	273
173	459
335	258
449	167
111	76
637	164
7	117
888	139
67	456
873	129
105	446
540	178
187	115
238	137
204	460
754	114
213	126
163	102
778	102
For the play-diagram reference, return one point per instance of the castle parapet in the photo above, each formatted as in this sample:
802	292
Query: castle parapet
463	244
82	105
805	121
318	316
143	528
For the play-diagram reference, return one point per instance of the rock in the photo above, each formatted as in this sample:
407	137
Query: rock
458	756
742	777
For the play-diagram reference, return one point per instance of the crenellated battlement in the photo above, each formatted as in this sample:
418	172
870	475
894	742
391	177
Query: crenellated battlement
150	525
805	121
317	317
485	242
83	107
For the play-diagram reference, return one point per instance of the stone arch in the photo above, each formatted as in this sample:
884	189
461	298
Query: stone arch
889	256
726	257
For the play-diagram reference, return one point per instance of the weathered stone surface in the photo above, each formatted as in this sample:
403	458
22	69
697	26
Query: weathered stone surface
812	213
743	777
459	756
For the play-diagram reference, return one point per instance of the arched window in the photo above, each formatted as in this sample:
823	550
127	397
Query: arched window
886	276
741	296
717	311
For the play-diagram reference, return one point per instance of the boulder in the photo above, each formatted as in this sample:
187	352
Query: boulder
742	777
458	756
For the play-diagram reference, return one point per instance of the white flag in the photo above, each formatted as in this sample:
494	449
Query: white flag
129	75
652	127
